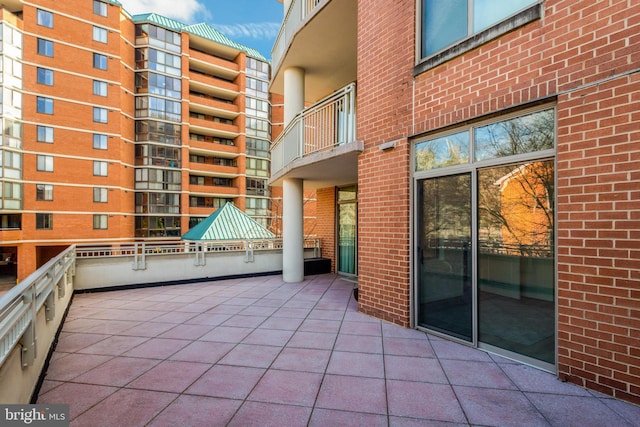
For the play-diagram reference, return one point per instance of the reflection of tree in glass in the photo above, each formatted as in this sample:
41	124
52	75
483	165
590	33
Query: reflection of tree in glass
516	208
445	208
526	134
444	151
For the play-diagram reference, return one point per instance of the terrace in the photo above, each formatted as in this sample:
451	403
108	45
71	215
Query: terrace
259	351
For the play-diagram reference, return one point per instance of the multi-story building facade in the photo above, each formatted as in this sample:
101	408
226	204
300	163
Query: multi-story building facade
492	179
120	126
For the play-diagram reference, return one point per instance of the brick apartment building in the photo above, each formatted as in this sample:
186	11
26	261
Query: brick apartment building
490	193
119	127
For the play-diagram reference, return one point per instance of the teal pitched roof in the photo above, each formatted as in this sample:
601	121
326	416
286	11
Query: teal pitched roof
228	223
162	21
117	3
203	30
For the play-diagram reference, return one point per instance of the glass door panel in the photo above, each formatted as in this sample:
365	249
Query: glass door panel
516	308
347	230
444	255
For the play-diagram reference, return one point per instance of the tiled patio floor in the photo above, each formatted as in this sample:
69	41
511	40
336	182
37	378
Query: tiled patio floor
259	352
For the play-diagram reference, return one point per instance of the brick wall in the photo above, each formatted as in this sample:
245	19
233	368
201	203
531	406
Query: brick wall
385	60
583	56
326	222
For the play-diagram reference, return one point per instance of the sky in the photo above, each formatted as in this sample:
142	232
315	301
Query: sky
254	23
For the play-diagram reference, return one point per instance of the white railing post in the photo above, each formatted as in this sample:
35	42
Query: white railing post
28	340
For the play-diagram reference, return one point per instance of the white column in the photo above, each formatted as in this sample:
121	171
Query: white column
292	230
293	93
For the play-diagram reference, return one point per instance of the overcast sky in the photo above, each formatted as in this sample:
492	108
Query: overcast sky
254	23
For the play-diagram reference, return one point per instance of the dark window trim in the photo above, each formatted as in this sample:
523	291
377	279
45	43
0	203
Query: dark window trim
503	27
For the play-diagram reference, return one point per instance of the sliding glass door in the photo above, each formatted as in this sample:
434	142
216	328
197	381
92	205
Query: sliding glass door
347	230
444	255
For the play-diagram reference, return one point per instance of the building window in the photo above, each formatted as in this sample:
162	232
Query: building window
44	134
44	105
99	141
99	168
44	221
45	18
99	34
100	195
450	28
484	221
99	61
44	163
100	115
100	88
99	8
45	47
44	192
99	222
45	76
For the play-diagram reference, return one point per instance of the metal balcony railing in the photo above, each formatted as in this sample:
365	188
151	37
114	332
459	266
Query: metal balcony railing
325	125
297	13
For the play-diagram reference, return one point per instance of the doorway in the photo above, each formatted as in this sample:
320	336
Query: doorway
347	212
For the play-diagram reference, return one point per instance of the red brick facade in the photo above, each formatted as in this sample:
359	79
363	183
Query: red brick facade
582	57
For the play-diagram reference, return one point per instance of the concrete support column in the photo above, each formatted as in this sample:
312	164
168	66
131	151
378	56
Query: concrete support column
293	93
292	230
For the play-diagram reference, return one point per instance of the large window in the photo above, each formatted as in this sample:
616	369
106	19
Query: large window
485	232
99	8
100	195
99	141
45	18
99	61
99	168
100	222
100	88
44	163
45	76
44	105
44	221
44	134
45	47
444	24
100	115
44	192
99	34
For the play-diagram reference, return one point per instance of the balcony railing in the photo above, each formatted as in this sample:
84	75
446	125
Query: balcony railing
323	126
297	13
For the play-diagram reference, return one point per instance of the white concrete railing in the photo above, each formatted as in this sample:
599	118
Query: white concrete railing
297	13
327	124
30	314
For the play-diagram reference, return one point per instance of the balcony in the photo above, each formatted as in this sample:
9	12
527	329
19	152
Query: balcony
210	127
212	64
254	348
205	104
318	35
210	85
319	145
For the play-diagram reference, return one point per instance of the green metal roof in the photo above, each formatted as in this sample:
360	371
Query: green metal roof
117	3
228	223
203	30
162	21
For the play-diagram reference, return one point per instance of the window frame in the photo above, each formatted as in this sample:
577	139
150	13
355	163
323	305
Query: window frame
47	75
44	192
102	115
46	104
100	34
100	141
100	61
45	47
45	132
100	8
100	195
100	168
472	41
44	163
44	221
40	18
100	88
100	222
